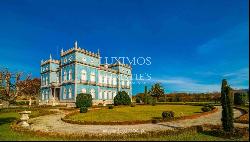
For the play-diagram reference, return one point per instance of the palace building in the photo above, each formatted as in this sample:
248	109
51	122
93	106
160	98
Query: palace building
81	71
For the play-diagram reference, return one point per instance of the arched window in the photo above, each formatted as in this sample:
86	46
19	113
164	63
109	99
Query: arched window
92	77
100	94
64	93
64	76
84	75
70	74
92	92
84	90
70	93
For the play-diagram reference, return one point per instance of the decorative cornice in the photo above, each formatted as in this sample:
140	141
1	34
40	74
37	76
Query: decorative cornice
50	61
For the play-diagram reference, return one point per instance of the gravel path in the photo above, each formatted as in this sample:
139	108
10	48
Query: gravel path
53	123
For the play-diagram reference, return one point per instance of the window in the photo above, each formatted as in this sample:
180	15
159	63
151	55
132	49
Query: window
127	83
65	60
70	58
92	61
92	77
110	95
83	76
114	94
57	77
83	90
43	95
100	79
47	81
70	74
64	93
105	79
70	93
84	59
114	81
92	92
122	82
105	95
64	76
100	94
110	80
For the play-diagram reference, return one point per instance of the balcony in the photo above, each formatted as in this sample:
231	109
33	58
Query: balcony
85	82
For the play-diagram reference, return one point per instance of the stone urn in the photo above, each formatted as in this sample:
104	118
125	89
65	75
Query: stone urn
24	118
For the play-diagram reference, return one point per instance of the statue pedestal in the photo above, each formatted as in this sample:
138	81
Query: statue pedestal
24	118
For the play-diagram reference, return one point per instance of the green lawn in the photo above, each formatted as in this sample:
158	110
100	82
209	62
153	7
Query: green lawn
139	112
6	134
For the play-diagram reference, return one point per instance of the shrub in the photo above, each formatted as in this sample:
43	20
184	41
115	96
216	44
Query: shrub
83	109
167	115
138	100
110	106
206	109
83	100
132	105
122	98
210	106
240	98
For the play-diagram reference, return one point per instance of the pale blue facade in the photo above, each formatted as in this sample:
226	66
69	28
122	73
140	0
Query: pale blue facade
81	71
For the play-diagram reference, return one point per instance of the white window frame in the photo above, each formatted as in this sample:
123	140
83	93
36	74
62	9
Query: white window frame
84	90
92	76
83	75
70	74
92	93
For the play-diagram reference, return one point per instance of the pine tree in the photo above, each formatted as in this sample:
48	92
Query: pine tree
227	107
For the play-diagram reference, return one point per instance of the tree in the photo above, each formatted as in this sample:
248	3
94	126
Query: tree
227	107
122	98
157	90
83	100
240	98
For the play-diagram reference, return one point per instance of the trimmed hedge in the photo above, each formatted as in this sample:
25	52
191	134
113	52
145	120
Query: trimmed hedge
167	115
206	109
122	98
83	109
83	100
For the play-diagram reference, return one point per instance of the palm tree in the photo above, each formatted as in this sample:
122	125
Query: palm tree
156	90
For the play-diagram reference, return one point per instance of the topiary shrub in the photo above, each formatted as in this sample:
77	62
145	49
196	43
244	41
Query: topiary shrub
83	100
122	98
206	109
110	106
210	106
138	100
83	109
240	98
167	115
132	105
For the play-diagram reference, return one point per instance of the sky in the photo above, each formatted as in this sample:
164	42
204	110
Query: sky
192	44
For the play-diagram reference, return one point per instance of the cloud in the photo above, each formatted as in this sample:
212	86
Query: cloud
186	84
238	78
